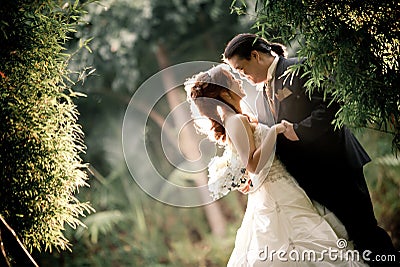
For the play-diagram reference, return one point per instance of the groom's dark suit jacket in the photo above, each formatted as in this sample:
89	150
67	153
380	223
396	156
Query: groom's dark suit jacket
320	161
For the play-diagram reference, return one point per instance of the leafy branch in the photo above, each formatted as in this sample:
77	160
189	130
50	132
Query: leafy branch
351	50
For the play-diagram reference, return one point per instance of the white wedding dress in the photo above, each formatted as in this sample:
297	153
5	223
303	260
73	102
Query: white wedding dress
283	227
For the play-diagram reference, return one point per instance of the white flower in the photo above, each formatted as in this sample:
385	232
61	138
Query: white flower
226	173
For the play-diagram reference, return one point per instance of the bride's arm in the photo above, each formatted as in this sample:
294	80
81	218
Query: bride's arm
241	135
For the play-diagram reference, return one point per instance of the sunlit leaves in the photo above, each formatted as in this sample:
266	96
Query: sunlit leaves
40	140
353	43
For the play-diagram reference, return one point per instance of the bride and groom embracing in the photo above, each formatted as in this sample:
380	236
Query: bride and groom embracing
308	200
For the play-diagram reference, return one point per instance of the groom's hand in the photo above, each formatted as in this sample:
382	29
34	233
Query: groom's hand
290	133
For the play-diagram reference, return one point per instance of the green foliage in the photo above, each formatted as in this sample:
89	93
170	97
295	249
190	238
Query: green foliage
353	43
130	228
383	177
40	140
145	232
128	33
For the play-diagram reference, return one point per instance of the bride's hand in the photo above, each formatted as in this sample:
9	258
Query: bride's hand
290	133
280	127
245	188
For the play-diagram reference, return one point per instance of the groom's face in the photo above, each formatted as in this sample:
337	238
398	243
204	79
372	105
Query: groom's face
250	69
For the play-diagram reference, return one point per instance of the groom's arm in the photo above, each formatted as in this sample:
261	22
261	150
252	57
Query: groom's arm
319	121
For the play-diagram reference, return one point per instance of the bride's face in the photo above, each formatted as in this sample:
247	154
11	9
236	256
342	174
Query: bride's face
236	87
235	92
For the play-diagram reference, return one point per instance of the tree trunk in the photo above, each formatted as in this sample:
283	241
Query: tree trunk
213	211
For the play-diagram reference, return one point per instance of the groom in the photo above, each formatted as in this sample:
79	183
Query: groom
327	163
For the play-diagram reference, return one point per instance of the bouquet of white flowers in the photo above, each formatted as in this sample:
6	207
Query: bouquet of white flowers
226	173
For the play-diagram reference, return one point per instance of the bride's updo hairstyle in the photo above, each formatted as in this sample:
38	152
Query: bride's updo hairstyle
204	94
242	45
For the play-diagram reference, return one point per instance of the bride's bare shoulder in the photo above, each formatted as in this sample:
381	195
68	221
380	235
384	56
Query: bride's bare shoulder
240	120
236	119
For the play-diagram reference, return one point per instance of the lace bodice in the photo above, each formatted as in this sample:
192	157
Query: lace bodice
274	170
227	172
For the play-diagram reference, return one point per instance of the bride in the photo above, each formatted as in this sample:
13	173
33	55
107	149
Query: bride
281	226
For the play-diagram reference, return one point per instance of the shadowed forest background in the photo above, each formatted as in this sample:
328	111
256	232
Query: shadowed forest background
117	46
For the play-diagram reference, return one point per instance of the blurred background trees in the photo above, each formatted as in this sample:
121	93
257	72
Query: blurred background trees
133	40
130	41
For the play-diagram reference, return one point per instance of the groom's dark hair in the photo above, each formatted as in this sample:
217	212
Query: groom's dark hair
242	45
